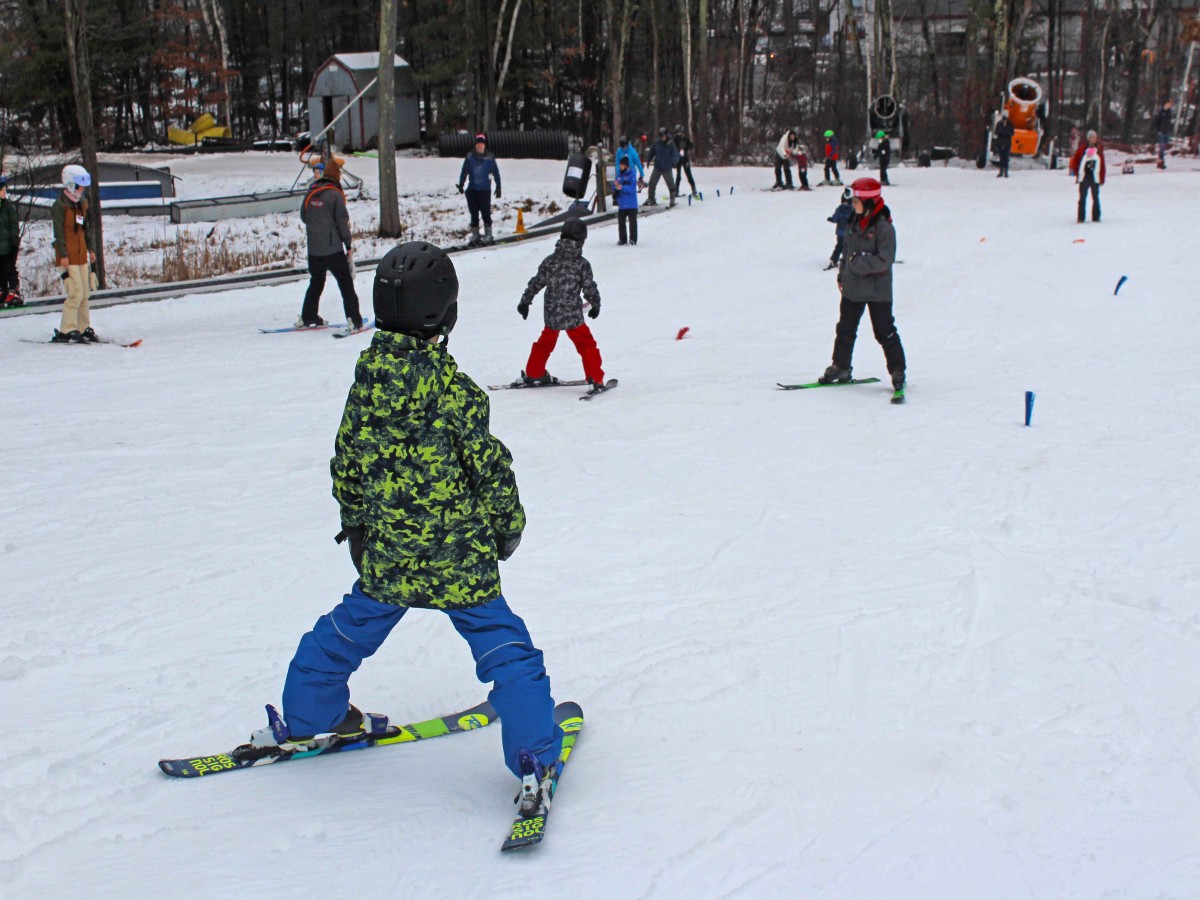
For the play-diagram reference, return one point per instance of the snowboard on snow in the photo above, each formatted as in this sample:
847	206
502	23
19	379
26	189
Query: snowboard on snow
246	756
529	828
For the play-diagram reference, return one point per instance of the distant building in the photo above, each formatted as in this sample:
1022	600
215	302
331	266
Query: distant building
339	80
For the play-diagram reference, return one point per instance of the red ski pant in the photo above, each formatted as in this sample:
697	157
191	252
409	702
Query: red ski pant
581	337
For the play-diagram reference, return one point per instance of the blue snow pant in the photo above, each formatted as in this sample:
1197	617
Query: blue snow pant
316	695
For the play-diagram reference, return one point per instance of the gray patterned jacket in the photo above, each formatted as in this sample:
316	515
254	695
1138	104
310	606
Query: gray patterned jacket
565	274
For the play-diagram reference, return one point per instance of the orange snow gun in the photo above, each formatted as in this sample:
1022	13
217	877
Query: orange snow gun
1024	98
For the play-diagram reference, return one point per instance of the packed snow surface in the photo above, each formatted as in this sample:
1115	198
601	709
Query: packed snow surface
827	647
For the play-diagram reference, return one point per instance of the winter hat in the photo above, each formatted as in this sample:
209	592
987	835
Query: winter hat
481	138
624	162
867	189
1092	134
881	135
75	177
829	133
333	171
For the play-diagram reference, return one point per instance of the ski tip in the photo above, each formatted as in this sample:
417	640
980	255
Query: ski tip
567	710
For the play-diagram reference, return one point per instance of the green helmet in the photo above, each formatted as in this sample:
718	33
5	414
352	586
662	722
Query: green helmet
881	135
829	133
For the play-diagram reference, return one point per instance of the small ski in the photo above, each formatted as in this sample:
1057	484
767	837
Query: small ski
898	395
368	324
528	830
291	328
521	385
247	756
136	343
598	389
817	384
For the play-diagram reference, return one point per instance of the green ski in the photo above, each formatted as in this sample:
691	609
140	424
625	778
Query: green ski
817	384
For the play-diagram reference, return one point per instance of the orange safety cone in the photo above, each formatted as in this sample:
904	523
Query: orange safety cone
520	221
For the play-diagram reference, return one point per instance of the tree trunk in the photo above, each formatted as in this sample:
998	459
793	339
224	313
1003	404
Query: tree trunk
389	203
685	25
75	15
1014	44
705	73
740	110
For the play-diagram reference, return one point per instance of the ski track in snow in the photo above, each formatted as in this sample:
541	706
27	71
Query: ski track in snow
826	647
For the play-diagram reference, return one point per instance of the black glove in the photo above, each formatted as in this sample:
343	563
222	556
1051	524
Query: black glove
507	546
355	534
594	312
497	192
459	187
523	309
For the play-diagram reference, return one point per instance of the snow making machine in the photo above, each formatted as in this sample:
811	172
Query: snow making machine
886	115
1026	110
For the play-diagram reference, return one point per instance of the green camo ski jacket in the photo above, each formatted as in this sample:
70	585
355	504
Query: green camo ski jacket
418	468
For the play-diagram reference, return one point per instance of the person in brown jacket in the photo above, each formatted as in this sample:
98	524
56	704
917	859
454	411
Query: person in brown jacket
73	253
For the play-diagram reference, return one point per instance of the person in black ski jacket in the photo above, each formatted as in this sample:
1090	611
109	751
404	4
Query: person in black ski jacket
10	246
684	145
565	274
865	282
327	227
885	157
1003	142
1163	123
665	157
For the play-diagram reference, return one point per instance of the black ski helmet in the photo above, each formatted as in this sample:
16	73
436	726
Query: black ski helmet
679	129
416	291
662	132
624	140
575	230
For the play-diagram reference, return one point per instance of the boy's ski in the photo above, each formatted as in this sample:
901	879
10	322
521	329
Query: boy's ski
528	830
247	756
368	324
291	328
521	385
817	384
598	389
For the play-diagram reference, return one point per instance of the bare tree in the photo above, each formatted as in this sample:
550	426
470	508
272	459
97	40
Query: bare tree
685	26
620	14
389	202
497	77
75	15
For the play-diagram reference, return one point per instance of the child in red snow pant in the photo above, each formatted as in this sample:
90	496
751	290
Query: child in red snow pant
581	337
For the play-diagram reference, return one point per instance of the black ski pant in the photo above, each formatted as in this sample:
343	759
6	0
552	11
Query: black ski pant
480	204
831	166
783	167
883	179
882	323
837	250
627	216
1087	184
1004	163
685	168
318	268
803	173
664	174
9	279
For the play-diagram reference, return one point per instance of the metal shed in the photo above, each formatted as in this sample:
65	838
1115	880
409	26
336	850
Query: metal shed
339	80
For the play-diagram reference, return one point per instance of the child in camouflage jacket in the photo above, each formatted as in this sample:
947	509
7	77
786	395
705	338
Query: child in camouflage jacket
429	503
566	275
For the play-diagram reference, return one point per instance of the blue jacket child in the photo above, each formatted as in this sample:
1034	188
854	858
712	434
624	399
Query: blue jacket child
841	218
626	189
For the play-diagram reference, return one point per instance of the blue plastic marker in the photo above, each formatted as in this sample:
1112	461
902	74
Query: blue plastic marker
1029	398
1124	278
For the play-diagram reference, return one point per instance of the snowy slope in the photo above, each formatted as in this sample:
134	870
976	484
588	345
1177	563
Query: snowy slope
827	647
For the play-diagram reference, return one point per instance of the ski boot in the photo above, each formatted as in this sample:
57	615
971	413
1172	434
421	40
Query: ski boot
66	337
315	323
543	381
474	240
533	778
12	300
89	336
832	265
897	380
356	724
835	374
488	240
